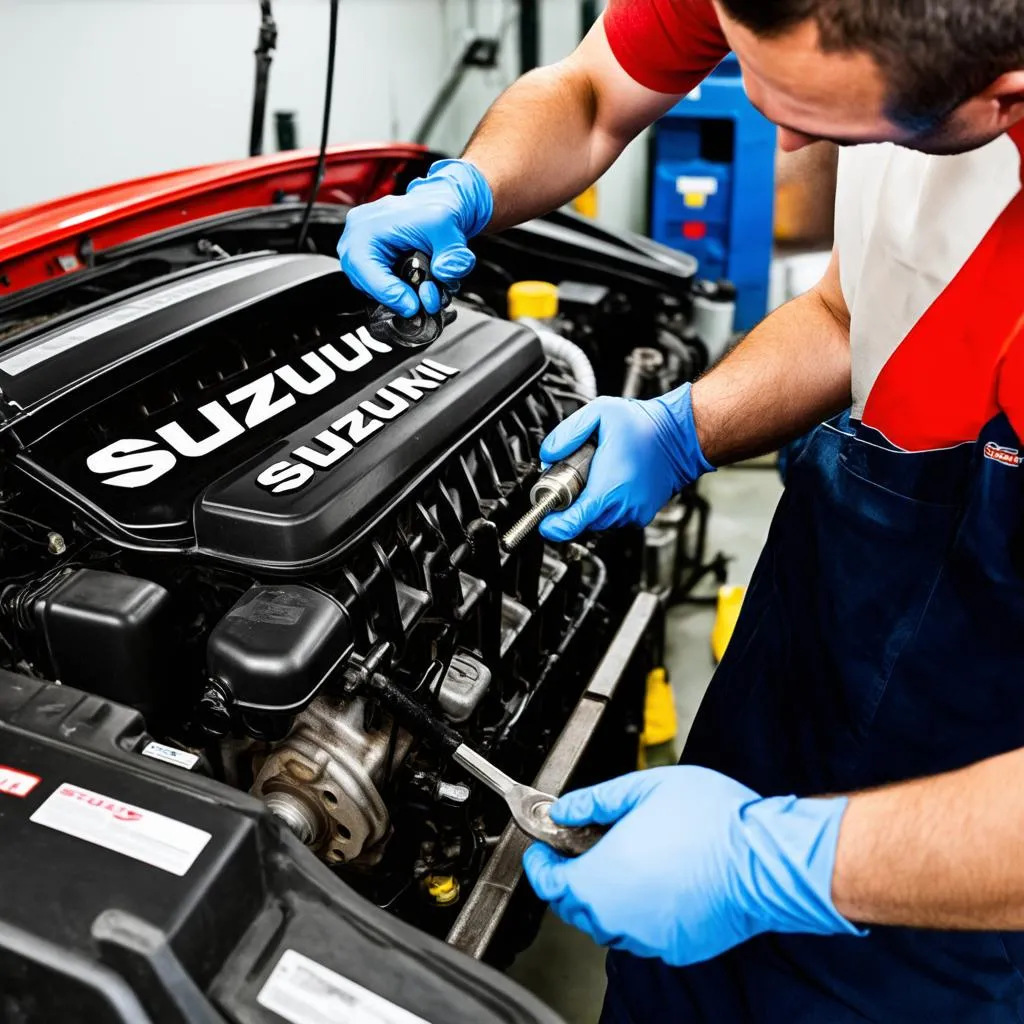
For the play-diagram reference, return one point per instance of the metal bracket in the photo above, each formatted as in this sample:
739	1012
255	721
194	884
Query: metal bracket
478	921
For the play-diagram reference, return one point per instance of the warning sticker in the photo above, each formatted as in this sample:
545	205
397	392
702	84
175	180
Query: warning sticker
305	992
172	755
132	831
15	783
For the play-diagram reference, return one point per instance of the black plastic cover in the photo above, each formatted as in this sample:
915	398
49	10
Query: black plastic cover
245	413
277	646
95	935
108	634
483	363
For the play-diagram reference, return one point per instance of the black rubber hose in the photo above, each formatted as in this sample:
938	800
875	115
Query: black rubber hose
413	715
321	164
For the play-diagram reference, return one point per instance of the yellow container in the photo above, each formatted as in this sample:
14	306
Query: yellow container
730	600
537	300
660	722
586	202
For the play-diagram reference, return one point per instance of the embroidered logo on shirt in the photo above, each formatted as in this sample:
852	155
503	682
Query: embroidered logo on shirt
1007	456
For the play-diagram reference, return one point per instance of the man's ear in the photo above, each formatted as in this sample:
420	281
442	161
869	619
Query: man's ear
1006	98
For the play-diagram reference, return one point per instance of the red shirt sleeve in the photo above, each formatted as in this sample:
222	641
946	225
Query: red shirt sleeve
666	45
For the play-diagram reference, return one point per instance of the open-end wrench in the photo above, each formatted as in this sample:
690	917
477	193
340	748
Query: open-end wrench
531	809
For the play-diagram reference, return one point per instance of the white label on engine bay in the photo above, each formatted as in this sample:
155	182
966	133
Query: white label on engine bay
132	831
305	992
172	755
38	352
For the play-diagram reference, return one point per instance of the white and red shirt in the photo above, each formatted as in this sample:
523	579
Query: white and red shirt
931	252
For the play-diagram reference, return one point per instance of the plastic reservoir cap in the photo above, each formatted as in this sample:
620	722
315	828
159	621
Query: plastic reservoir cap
535	299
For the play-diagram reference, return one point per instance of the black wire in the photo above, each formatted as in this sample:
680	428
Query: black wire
70	560
321	163
24	519
17	533
401	892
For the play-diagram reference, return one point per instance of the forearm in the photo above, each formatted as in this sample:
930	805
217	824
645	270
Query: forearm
942	852
558	129
789	374
544	123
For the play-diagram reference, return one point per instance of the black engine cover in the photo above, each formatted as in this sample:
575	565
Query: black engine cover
244	412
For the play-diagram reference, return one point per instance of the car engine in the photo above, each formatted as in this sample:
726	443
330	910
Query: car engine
225	504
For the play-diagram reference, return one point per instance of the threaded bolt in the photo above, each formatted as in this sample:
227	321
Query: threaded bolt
551	502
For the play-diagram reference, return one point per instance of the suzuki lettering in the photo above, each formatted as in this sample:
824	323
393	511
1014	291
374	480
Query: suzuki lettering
353	428
136	462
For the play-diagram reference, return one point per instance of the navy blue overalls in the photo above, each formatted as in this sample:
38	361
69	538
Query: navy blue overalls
882	638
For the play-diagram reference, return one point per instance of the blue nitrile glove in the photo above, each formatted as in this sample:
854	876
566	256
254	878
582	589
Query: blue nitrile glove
646	452
436	215
695	864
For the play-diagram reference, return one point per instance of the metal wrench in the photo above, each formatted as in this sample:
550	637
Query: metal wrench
531	809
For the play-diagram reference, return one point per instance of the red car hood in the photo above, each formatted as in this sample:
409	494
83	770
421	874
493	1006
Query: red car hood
55	238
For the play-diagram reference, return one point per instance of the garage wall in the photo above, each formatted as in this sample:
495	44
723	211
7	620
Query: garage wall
114	89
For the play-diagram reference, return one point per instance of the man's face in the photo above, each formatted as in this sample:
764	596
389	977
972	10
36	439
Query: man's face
813	95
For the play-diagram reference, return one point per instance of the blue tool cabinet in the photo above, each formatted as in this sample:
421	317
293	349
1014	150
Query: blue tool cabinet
713	185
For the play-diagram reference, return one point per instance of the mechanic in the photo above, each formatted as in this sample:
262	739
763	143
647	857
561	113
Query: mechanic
880	640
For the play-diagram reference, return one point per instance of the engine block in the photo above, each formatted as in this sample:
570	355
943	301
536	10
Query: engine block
266	510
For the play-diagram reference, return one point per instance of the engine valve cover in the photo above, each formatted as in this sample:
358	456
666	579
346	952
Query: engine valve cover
246	413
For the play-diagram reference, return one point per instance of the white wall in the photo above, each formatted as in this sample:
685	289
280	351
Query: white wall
101	90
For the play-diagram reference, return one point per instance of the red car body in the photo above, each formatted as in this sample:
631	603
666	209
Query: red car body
51	239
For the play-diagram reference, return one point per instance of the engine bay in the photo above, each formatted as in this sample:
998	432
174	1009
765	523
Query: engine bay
226	505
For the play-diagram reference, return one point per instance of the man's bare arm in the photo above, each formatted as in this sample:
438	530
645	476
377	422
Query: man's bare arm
558	129
790	373
942	852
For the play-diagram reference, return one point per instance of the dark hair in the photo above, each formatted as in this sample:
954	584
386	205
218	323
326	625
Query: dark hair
935	54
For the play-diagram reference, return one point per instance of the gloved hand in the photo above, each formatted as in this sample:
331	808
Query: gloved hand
646	452
695	864
437	215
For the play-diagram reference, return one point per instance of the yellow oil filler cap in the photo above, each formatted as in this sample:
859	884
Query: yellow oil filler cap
535	299
442	889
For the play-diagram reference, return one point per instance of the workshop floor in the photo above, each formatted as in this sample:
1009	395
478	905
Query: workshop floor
563	967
